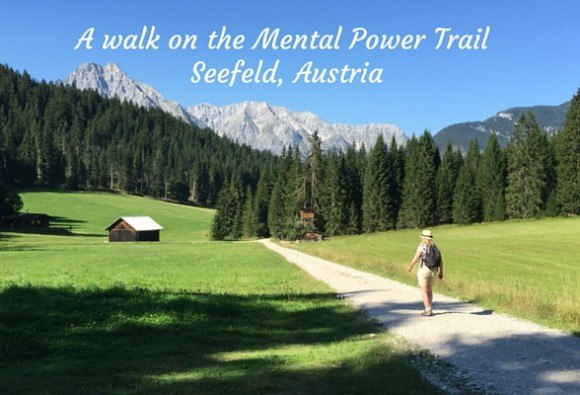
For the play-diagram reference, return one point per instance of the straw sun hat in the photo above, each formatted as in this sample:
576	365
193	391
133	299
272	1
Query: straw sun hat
426	234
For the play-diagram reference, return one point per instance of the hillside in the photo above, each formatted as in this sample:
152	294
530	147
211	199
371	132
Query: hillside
71	209
58	136
550	118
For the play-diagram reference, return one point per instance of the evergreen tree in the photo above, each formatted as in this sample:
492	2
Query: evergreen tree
222	224
568	154
397	157
10	201
228	220
548	152
552	206
296	188
466	198
279	210
447	174
314	179
353	189
250	220
336	204
419	188
378	205
261	202
527	173
491	179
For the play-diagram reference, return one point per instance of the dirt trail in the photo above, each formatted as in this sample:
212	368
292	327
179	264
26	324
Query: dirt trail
501	354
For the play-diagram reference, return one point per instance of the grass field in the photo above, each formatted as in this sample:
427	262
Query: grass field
80	315
527	268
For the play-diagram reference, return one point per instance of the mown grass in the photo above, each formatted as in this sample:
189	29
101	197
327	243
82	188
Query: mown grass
526	268
89	213
80	315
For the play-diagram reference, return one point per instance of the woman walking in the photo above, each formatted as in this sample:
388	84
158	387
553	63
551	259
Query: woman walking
430	267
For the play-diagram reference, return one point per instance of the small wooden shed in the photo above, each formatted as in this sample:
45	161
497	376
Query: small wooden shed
306	214
134	229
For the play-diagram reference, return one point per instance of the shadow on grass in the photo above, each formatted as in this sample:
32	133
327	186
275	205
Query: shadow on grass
60	226
53	231
62	340
5	236
60	221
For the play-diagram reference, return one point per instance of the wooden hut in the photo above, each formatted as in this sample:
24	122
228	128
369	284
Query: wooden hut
306	214
134	229
28	220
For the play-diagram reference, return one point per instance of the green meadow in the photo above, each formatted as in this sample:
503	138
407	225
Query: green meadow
185	315
526	268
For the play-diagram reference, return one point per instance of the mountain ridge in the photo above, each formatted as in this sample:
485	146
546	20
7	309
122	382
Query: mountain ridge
258	124
248	121
265	126
110	81
502	123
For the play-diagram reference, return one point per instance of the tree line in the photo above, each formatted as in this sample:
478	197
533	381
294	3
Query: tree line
56	136
393	187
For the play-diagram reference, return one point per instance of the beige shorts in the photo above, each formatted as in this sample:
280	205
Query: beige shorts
426	276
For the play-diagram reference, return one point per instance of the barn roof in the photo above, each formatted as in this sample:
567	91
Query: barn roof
138	223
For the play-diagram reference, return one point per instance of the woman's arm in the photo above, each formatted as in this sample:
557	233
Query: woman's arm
415	258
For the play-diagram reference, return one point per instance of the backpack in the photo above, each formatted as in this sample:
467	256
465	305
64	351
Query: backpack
432	257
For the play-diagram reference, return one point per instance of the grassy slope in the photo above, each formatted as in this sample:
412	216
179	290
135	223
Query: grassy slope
527	268
91	213
79	315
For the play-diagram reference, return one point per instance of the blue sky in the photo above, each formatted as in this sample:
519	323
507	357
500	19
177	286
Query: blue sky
532	55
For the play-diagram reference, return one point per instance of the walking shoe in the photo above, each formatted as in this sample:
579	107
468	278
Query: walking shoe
427	313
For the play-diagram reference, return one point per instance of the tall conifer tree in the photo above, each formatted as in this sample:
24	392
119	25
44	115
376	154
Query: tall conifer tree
336	208
378	213
314	180
278	207
491	180
446	179
261	201
354	190
250	221
419	189
568	154
397	157
527	173
466	199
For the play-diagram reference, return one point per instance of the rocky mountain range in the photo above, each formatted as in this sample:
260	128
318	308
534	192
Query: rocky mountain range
269	127
262	125
258	124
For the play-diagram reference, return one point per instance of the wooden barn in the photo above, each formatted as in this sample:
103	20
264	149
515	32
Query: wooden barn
28	220
134	229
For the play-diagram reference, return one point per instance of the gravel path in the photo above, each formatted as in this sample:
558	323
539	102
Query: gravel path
501	354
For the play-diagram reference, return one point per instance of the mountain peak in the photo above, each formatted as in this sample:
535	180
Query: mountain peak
113	68
89	66
111	81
